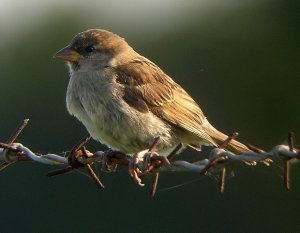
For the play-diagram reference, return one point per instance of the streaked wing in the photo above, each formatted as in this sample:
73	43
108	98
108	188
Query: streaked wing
148	88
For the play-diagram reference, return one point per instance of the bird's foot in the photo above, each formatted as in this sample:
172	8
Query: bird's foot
134	170
109	163
145	162
154	160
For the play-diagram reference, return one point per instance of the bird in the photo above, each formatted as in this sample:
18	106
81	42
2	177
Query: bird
125	100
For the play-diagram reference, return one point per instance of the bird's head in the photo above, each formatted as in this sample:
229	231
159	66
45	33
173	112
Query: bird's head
93	49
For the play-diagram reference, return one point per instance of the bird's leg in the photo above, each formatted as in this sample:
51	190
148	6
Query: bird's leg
108	164
151	157
145	162
134	171
153	160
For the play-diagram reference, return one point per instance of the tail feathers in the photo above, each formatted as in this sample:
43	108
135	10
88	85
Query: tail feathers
234	146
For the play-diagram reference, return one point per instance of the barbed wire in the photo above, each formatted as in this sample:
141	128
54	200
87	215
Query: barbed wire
150	162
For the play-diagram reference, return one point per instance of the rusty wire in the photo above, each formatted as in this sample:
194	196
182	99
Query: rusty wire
79	157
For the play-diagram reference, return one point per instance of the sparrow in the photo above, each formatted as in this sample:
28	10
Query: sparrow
125	100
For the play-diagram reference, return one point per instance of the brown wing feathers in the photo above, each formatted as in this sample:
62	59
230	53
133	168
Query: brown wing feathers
147	88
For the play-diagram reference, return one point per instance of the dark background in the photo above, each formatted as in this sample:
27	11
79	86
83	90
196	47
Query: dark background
239	60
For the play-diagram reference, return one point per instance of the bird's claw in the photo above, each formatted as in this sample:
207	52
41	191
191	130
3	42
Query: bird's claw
145	162
153	160
134	171
107	164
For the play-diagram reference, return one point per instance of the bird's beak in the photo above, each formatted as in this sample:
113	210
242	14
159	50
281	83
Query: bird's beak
67	54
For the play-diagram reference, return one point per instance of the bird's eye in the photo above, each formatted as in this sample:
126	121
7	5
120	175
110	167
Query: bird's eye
89	49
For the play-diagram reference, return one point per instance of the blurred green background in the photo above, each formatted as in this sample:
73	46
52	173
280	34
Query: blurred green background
239	59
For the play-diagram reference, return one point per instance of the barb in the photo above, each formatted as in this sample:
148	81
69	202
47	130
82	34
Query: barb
222	159
12	138
287	162
254	148
90	169
154	184
154	144
174	152
156	175
222	179
19	130
228	140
